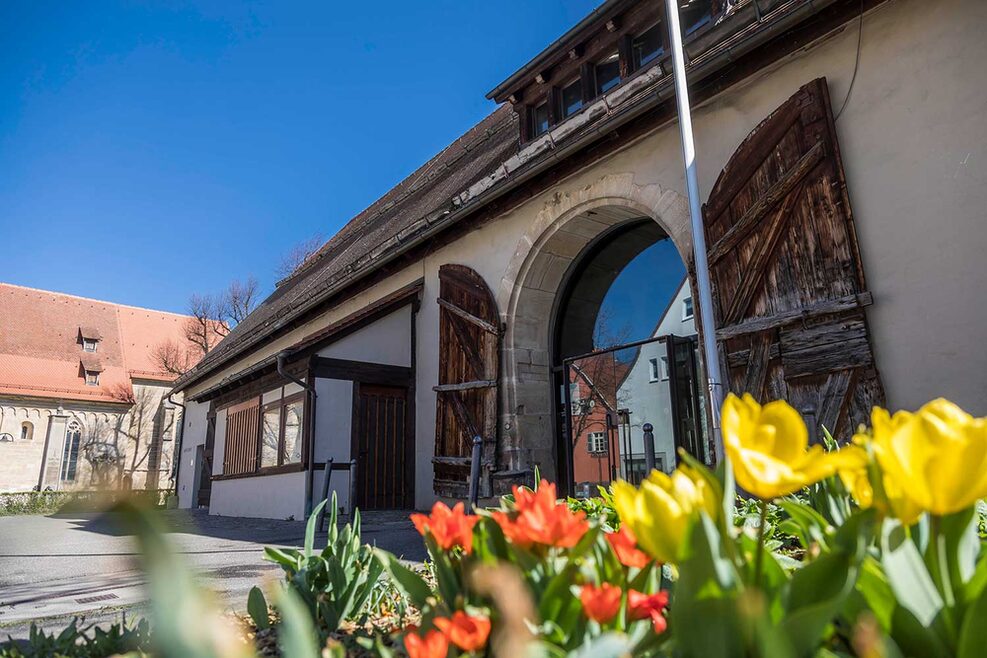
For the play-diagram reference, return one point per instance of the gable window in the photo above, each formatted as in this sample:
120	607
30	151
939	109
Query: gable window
596	443
606	73
538	121
92	378
260	437
687	311
647	47
571	98
90	344
70	452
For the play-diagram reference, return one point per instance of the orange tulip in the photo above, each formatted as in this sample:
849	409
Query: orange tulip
449	527
624	545
541	519
643	606
466	632
600	603
432	645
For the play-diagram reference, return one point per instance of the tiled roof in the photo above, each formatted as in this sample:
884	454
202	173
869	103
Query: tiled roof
41	352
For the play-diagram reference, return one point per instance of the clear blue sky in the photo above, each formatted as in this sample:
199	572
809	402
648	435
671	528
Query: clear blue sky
152	150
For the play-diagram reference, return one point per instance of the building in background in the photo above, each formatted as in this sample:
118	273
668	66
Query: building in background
83	395
832	143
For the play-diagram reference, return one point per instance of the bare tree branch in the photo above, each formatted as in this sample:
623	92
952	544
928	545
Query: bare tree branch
292	259
238	300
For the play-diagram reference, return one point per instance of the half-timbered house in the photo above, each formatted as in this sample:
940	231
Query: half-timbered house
841	156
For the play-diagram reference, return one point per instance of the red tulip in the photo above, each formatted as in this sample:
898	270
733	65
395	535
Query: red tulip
624	545
541	519
466	632
600	603
449	527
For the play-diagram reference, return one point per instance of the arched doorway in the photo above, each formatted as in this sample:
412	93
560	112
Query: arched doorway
624	359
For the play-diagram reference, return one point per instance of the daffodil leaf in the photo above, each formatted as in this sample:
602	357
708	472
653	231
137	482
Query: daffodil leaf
816	594
962	544
973	634
296	634
407	581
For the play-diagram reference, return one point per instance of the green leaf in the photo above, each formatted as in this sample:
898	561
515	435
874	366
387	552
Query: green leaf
407	581
962	544
257	608
816	594
313	519
296	635
609	645
907	575
973	633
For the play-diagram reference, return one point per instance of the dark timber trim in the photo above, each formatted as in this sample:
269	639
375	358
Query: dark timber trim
360	371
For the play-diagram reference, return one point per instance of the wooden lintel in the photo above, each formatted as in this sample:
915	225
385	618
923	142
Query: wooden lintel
469	317
766	203
754	325
464	386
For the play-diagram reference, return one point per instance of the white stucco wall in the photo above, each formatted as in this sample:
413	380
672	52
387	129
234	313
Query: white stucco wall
193	435
263	497
333	434
913	137
386	341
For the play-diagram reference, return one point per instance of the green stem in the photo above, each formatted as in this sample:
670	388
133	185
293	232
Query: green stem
939	566
759	555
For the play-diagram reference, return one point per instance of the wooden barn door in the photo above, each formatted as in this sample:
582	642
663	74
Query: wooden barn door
382	447
469	346
788	285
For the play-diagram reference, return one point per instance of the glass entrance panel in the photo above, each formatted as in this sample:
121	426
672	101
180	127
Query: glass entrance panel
615	395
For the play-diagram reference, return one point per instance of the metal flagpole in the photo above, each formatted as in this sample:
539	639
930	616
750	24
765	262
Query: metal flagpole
715	387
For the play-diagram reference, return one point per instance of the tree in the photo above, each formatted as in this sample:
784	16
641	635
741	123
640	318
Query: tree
210	319
296	256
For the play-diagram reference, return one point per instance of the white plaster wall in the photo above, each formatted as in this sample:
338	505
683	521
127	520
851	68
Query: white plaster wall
333	427
386	341
265	497
194	435
914	143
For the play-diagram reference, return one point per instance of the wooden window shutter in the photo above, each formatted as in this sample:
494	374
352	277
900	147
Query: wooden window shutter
466	397
241	443
788	284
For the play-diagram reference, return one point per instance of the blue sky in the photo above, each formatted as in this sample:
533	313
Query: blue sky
152	150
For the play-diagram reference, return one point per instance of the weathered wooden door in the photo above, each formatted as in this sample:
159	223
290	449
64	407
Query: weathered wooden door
382	443
469	345
788	285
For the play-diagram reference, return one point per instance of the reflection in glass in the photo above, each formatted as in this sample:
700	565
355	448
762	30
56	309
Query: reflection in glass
270	426
292	433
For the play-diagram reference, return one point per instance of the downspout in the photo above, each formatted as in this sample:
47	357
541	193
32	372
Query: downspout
177	458
282	362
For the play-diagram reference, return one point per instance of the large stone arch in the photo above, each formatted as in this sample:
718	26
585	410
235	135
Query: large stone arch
565	225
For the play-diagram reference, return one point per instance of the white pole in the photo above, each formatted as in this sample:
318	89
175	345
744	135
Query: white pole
715	388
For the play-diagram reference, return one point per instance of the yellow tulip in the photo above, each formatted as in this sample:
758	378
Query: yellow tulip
661	510
933	460
769	448
892	501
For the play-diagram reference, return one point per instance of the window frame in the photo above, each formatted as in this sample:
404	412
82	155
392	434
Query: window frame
598	90
688	309
592	437
577	83
86	342
281	465
70	452
533	132
633	65
91	377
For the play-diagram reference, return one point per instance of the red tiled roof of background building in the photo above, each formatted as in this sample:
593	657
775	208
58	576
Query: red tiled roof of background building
41	352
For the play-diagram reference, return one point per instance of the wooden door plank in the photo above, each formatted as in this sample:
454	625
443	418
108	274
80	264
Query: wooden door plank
750	219
833	400
469	317
806	313
757	364
466	345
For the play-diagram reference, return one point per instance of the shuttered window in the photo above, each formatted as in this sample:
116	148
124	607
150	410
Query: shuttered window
240	447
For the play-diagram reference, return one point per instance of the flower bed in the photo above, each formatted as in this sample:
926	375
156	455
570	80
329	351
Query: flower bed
871	549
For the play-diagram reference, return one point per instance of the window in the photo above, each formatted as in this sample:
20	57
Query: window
596	443
695	15
647	47
687	311
89	344
571	98
70	452
270	435
27	431
607	74
92	378
263	437
658	368
538	121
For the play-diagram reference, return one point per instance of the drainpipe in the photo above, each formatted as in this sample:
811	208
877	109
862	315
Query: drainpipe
176	459
282	361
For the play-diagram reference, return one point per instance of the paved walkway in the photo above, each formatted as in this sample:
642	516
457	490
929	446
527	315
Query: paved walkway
56	567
